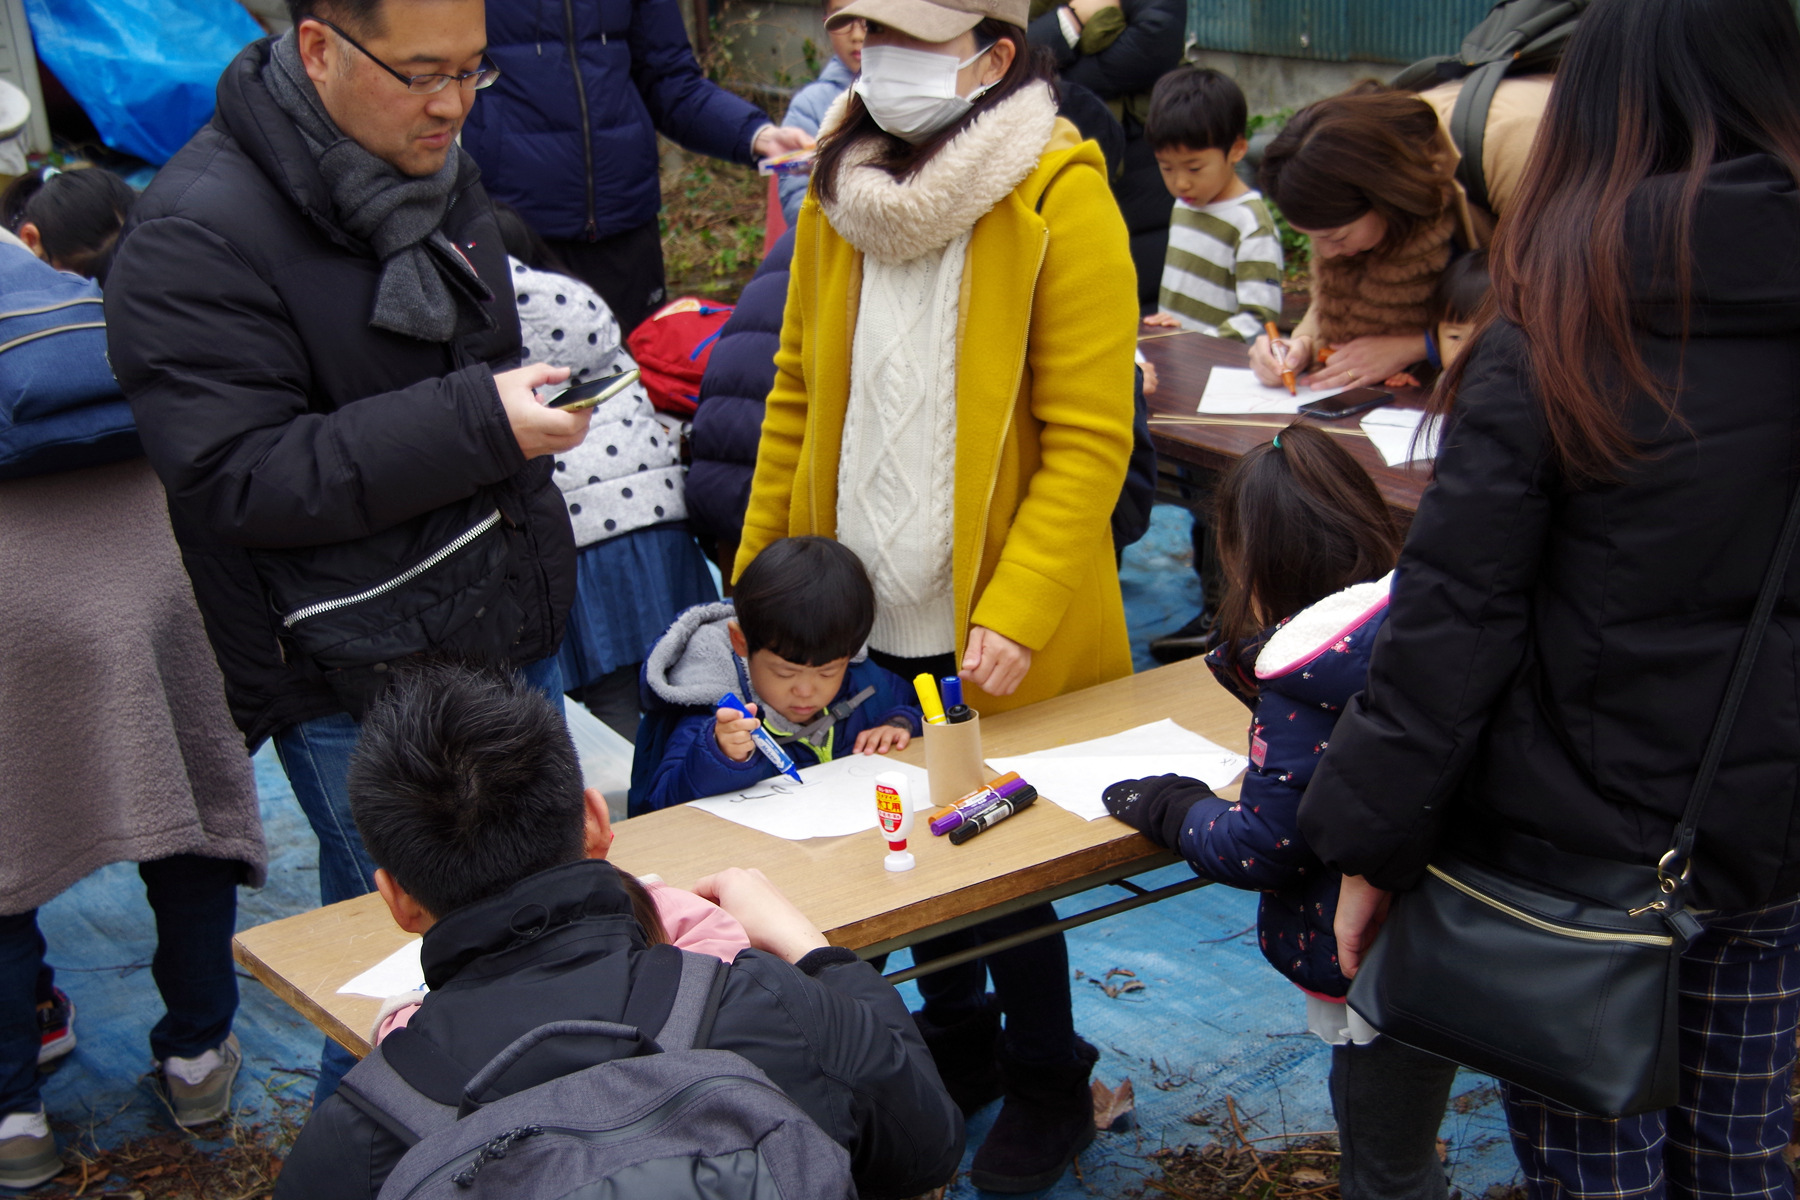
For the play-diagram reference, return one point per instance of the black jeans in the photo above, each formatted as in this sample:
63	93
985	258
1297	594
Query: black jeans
626	269
1389	1100
195	902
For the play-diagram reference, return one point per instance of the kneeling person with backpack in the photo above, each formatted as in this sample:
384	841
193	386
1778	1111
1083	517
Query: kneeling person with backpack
555	1048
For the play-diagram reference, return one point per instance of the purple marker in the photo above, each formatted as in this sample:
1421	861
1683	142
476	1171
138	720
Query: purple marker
979	803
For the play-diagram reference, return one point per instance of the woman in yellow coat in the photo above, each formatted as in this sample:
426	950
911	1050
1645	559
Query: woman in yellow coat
953	401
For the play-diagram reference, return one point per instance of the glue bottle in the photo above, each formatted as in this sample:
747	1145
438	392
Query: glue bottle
893	806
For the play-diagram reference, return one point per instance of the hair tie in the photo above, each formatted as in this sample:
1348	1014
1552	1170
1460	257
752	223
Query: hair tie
1277	442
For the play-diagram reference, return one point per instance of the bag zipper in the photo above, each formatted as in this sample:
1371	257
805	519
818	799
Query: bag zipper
1586	935
325	606
693	1091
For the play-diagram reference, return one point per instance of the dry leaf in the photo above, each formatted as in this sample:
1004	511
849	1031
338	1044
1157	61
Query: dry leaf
1081	974
1443	1149
1307	1176
1133	986
1113	1107
1121	971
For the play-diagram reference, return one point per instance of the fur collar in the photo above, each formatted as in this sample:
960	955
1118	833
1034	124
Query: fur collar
897	220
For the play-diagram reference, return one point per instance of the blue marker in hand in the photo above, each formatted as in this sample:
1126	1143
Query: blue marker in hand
770	748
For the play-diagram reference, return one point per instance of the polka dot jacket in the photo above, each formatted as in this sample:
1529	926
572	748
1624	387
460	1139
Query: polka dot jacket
627	475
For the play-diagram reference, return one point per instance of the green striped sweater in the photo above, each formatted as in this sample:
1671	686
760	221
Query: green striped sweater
1223	272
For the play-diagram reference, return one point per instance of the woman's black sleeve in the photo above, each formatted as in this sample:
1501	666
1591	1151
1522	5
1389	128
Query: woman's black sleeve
1455	635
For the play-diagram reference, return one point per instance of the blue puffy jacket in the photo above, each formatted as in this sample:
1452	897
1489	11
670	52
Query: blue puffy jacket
693	766
575	151
1296	680
728	423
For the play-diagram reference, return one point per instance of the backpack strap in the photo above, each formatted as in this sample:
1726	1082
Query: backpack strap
377	1090
1468	128
690	1020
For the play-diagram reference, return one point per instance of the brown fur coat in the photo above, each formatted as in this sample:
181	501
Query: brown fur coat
1370	295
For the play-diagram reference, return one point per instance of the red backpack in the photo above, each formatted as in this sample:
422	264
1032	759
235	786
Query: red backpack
671	348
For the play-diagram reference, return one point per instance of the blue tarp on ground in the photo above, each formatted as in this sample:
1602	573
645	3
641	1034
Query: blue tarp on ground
144	71
1212	1022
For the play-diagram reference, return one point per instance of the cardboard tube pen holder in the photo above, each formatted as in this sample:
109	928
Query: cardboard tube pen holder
953	761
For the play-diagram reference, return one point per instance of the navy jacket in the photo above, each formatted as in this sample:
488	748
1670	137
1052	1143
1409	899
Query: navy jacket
1304	672
693	766
568	134
738	377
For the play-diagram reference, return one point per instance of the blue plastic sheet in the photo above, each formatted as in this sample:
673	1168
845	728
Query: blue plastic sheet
145	71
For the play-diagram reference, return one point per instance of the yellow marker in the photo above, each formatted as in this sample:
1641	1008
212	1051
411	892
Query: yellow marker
926	686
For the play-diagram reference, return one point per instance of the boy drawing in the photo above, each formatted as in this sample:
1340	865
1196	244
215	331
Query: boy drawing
1222	275
790	644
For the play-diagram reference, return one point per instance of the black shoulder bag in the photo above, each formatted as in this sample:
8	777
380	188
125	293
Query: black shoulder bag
1553	970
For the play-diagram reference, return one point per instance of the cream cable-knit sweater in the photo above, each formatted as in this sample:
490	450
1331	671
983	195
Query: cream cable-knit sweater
897	462
897	468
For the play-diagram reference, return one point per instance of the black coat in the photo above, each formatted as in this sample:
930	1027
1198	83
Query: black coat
305	454
830	1032
1555	655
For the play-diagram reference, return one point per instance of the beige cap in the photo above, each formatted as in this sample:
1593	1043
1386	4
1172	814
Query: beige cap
932	20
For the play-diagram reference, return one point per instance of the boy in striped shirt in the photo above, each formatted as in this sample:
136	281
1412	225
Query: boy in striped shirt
1222	275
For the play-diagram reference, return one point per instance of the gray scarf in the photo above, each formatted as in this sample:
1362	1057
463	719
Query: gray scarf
428	290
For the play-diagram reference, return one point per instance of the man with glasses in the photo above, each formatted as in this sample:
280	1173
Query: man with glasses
311	313
568	134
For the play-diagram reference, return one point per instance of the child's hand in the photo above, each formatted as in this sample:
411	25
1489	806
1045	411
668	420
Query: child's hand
882	738
732	730
1166	320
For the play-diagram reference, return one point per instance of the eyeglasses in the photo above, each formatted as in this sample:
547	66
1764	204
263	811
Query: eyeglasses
424	85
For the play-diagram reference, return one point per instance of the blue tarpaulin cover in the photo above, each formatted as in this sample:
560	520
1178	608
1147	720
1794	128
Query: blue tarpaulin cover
144	70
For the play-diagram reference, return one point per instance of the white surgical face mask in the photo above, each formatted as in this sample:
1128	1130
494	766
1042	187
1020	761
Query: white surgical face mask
912	93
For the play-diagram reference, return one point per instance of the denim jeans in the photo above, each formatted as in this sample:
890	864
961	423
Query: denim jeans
316	756
195	902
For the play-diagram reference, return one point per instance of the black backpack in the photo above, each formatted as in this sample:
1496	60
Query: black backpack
1518	37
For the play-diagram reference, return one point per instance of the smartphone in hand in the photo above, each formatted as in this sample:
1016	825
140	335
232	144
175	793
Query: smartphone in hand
593	392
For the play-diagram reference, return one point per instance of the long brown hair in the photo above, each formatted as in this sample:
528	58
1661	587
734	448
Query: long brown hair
1648	96
901	158
1370	148
1297	519
643	907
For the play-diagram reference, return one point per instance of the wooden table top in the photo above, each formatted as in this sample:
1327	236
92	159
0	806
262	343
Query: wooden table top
839	883
1184	360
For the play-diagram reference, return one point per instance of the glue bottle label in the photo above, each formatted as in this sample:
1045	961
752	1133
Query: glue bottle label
891	807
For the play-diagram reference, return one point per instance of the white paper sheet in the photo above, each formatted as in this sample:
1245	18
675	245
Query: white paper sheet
1395	430
1074	776
837	798
1235	390
398	972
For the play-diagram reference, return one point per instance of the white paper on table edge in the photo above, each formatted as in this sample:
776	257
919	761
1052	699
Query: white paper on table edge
388	966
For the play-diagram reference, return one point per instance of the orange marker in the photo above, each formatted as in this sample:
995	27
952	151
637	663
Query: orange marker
1287	375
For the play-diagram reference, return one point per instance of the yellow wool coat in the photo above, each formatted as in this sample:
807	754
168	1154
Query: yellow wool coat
1045	340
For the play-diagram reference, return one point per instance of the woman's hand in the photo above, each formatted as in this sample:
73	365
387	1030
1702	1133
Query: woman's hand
1084	10
1362	907
881	739
1366	361
1268	368
994	663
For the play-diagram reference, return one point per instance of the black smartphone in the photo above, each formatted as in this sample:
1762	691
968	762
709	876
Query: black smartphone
1346	404
594	391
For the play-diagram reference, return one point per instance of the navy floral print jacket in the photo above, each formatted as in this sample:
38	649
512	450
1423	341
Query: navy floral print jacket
1296	679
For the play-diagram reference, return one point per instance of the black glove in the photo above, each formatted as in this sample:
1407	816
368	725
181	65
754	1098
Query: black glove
1156	807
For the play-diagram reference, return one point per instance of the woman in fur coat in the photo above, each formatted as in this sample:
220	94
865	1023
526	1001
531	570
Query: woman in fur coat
1370	177
953	401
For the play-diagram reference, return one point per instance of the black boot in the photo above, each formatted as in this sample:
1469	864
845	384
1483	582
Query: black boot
1048	1119
965	1054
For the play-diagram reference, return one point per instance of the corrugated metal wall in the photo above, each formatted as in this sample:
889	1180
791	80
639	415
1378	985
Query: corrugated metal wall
1396	31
